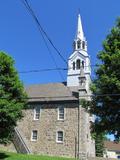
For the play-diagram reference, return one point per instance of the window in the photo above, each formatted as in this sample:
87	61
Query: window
34	135
83	44
37	113
79	44
83	64
60	136
118	157
61	113
73	65
87	136
78	64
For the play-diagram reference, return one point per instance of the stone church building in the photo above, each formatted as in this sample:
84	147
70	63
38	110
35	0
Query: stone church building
55	123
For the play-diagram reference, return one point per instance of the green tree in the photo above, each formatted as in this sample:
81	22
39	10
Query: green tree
106	86
99	144
12	97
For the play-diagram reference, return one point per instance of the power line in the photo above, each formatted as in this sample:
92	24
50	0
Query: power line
29	8
42	70
42	32
51	69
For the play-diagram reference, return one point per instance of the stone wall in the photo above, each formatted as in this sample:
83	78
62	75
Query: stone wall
8	148
47	127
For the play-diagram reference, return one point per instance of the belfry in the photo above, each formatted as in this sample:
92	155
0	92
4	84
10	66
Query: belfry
79	58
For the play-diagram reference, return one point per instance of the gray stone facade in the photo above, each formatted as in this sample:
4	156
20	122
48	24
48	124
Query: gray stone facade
9	147
47	127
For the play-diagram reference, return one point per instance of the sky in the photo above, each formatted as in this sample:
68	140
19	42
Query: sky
20	38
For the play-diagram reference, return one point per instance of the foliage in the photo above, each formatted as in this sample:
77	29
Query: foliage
12	97
14	156
105	103
99	144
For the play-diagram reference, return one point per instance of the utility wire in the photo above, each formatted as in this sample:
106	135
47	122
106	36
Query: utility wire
52	69
29	8
42	70
42	32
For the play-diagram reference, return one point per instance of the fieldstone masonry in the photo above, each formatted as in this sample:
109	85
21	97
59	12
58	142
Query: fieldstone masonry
9	147
47	127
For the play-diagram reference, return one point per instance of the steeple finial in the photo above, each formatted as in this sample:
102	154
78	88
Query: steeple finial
80	34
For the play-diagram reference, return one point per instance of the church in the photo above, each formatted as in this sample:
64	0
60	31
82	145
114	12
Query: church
55	123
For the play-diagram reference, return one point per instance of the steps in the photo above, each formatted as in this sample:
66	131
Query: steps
20	143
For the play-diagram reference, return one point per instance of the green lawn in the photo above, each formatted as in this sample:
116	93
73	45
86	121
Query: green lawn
15	156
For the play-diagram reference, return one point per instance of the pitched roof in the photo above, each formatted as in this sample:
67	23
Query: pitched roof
49	92
112	146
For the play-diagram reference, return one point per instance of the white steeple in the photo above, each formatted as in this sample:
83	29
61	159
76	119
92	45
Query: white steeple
79	59
79	34
79	41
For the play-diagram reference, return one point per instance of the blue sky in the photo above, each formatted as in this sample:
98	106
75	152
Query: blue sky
20	37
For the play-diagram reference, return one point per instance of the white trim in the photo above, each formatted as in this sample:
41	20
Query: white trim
61	106
57	136
34	140
34	117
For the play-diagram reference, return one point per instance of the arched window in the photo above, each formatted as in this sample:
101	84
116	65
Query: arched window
83	44
79	44
78	64
83	64
73	65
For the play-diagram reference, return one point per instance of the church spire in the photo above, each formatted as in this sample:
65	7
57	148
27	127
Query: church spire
79	61
79	34
79	42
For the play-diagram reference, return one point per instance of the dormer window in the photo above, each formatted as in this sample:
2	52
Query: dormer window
79	44
78	64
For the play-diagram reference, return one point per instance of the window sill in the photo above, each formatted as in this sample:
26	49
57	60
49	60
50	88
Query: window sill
36	119
32	140
61	120
59	142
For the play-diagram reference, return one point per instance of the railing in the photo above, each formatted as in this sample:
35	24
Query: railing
19	143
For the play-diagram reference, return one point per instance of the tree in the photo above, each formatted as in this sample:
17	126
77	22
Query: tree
12	97
105	103
99	144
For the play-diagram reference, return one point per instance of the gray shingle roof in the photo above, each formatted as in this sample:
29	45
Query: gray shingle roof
49	92
112	146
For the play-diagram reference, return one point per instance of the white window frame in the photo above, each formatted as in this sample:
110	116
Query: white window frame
35	112
32	135
61	119
58	137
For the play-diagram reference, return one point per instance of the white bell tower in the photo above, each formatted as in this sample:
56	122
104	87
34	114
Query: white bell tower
79	58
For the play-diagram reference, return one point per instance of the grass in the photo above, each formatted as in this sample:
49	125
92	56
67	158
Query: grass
15	156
